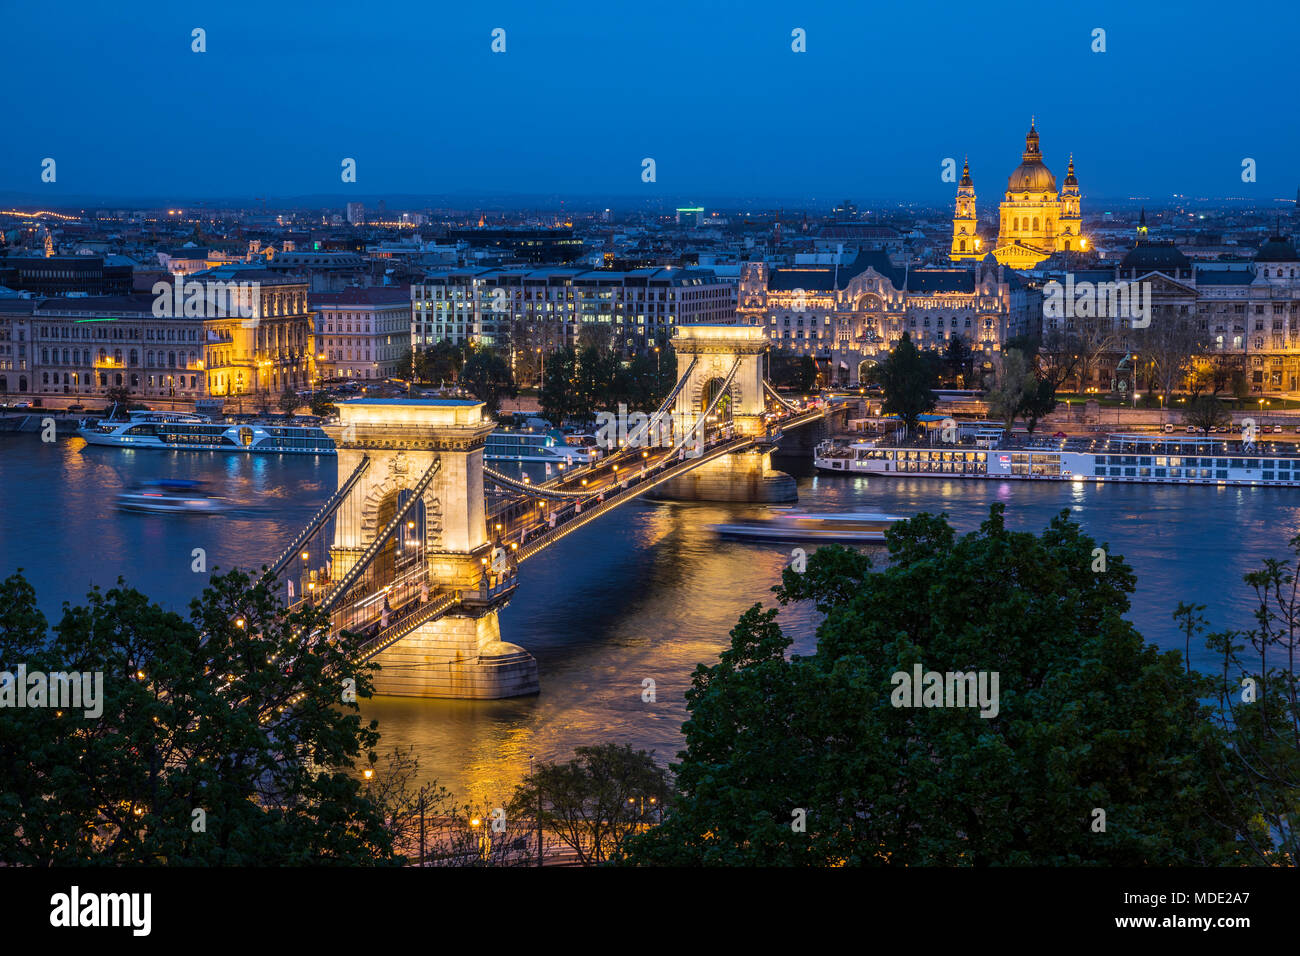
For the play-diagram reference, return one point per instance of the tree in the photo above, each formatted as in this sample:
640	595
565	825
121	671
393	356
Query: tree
1257	703
592	381
1019	392
223	739
1058	357
820	760
907	378
1096	338
596	800
1006	391
558	398
120	395
797	372
289	401
440	363
1205	413
321	406
487	376
1170	344
957	358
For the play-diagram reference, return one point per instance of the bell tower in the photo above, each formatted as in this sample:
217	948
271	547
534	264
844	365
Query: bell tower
1069	235
965	236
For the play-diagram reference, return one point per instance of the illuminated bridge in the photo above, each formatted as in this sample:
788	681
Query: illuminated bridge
421	545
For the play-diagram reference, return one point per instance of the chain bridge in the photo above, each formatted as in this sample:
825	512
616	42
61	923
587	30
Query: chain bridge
421	544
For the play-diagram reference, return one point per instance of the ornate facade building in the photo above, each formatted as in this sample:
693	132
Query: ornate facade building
849	316
1035	219
1242	315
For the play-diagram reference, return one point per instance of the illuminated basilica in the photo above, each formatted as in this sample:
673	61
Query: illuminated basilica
1036	220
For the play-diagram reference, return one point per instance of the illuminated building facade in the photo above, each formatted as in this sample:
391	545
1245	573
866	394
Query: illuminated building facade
550	305
361	333
848	317
81	346
1035	219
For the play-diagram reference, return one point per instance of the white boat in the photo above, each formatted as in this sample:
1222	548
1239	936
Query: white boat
171	496
1123	458
187	432
800	526
531	445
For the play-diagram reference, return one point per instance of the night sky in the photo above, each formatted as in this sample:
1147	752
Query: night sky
710	90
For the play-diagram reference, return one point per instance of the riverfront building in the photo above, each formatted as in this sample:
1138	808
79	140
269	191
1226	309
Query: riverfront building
547	307
161	347
361	333
849	316
1243	315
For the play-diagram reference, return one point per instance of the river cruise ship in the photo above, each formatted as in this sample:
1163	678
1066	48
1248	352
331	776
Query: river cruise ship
179	431
528	445
1147	459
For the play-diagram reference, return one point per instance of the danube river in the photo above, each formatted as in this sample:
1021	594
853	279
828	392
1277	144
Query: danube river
646	592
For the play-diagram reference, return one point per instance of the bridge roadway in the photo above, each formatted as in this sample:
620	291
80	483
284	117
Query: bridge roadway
525	524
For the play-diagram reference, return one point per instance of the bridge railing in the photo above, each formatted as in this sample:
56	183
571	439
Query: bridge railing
318	521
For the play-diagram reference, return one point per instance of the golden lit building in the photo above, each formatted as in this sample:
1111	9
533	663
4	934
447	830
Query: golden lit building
1035	219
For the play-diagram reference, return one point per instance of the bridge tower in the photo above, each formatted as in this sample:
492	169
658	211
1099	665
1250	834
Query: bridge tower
705	357
461	654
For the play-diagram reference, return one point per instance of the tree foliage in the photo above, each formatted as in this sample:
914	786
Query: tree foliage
224	739
595	801
908	379
1090	718
487	376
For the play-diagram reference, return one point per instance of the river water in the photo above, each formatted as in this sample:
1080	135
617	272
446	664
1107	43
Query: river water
646	592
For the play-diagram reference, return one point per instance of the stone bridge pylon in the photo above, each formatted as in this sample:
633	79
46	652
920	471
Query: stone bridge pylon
706	355
459	654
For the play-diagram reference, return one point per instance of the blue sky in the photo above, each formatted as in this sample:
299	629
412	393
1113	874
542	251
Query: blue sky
710	90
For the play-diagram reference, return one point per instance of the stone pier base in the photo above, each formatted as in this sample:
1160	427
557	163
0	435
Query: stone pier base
457	656
741	476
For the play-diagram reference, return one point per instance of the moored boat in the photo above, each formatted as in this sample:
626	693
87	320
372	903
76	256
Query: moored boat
1125	458
187	432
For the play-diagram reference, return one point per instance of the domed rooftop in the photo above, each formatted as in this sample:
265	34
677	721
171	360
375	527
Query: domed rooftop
1155	257
1031	175
1277	249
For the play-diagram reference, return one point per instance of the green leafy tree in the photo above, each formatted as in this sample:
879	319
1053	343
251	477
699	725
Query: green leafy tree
908	379
1205	413
224	739
812	760
289	401
558	397
797	372
957	358
321	405
595	801
487	376
1019	392
122	396
1257	703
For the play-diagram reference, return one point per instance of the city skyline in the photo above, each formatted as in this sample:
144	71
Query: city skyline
273	106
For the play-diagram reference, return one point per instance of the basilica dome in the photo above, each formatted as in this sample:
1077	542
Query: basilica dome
1031	176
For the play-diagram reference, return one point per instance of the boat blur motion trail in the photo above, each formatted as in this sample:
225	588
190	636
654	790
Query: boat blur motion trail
172	496
805	526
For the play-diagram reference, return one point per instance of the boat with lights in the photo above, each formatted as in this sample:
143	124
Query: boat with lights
186	432
1127	458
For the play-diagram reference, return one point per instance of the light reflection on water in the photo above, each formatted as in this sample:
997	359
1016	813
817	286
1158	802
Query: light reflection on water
646	592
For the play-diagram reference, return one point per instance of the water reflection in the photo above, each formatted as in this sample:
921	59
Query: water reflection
646	592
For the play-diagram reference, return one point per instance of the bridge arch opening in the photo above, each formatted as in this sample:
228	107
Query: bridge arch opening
708	392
